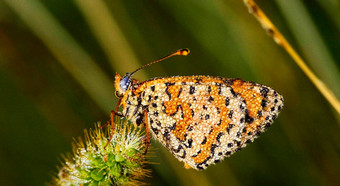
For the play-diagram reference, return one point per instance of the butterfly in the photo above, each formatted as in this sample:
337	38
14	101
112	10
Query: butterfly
199	119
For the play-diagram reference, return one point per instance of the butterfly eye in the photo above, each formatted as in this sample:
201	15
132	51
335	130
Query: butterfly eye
125	82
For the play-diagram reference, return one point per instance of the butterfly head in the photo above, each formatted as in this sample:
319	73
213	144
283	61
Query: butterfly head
122	84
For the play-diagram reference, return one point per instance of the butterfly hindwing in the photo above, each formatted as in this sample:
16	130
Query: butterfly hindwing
202	119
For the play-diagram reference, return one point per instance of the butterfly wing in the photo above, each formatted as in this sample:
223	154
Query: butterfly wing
202	119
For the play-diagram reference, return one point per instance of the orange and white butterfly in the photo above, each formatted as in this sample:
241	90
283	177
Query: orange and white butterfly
199	119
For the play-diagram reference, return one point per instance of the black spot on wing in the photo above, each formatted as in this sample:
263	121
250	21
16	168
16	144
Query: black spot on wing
233	92
192	113
213	147
173	127
227	101
178	149
219	123
209	89
192	90
204	140
264	92
189	143
179	92
199	152
168	93
219	89
230	126
230	114
249	119
219	135
210	99
218	110
264	103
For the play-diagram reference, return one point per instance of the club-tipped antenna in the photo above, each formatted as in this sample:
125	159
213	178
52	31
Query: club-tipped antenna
182	52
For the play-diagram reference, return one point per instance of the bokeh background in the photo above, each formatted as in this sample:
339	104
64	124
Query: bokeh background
58	59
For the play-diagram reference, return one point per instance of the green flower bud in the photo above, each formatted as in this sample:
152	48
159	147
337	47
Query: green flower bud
120	162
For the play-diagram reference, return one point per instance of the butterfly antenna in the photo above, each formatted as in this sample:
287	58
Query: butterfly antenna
181	52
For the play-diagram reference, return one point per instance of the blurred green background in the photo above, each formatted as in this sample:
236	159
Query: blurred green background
58	60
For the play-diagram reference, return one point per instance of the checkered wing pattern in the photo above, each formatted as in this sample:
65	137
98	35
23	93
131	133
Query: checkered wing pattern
202	119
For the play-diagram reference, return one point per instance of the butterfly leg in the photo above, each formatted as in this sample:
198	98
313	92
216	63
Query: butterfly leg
113	114
146	125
